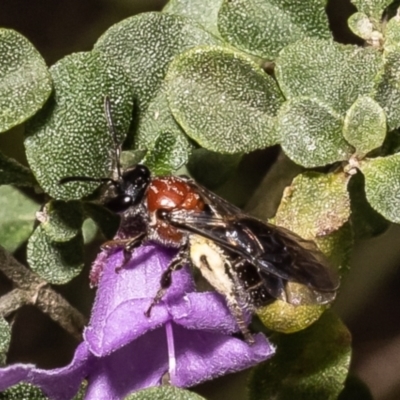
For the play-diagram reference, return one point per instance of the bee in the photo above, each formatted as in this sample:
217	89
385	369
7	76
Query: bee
249	261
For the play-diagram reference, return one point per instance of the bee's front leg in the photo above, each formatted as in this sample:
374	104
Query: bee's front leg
128	246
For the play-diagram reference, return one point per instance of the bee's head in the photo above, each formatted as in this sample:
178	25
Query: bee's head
130	186
128	190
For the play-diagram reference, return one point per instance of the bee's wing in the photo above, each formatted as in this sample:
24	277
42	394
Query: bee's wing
293	293
218	205
297	258
273	250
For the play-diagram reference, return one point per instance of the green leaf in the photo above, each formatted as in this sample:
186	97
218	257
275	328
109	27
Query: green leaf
388	90
89	230
70	136
57	263
82	391
25	82
382	185
204	12
373	8
337	247
362	26
365	220
163	393
145	44
328	71
222	100
365	125
17	215
310	133
264	27
392	35
355	389
130	158
107	221
23	391
13	173
315	204
308	365
5	339
62	220
212	169
283	317
168	154
159	133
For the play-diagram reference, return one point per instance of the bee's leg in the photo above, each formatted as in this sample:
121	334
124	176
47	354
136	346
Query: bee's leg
237	313
238	299
166	278
128	245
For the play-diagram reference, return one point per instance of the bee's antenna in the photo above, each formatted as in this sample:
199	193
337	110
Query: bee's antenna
67	179
113	134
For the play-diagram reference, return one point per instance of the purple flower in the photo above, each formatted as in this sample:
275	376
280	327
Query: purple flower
188	337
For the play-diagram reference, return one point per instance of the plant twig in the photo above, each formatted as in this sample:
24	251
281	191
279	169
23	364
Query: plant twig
31	289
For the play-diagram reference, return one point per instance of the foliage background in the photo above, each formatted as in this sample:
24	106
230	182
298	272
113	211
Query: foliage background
369	302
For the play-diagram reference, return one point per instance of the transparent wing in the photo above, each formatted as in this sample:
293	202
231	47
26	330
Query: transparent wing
273	250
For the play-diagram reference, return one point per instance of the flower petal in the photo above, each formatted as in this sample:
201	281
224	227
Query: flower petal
63	383
203	356
59	384
204	311
138	365
13	374
200	356
122	298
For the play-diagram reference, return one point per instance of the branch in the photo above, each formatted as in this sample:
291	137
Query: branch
31	289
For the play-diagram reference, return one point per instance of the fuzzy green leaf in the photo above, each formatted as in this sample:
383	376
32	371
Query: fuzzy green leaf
13	173
337	247
61	220
159	133
23	391
145	44
107	221
89	231
361	25
5	339
308	365
264	27
204	12
366	221
130	158
168	154
330	72
373	8
365	125
315	204
392	35
212	169
388	90
310	133
57	263
70	136
164	393
25	82
382	185
222	100
17	215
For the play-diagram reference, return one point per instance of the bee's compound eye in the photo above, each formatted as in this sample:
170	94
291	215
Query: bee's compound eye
162	214
119	204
